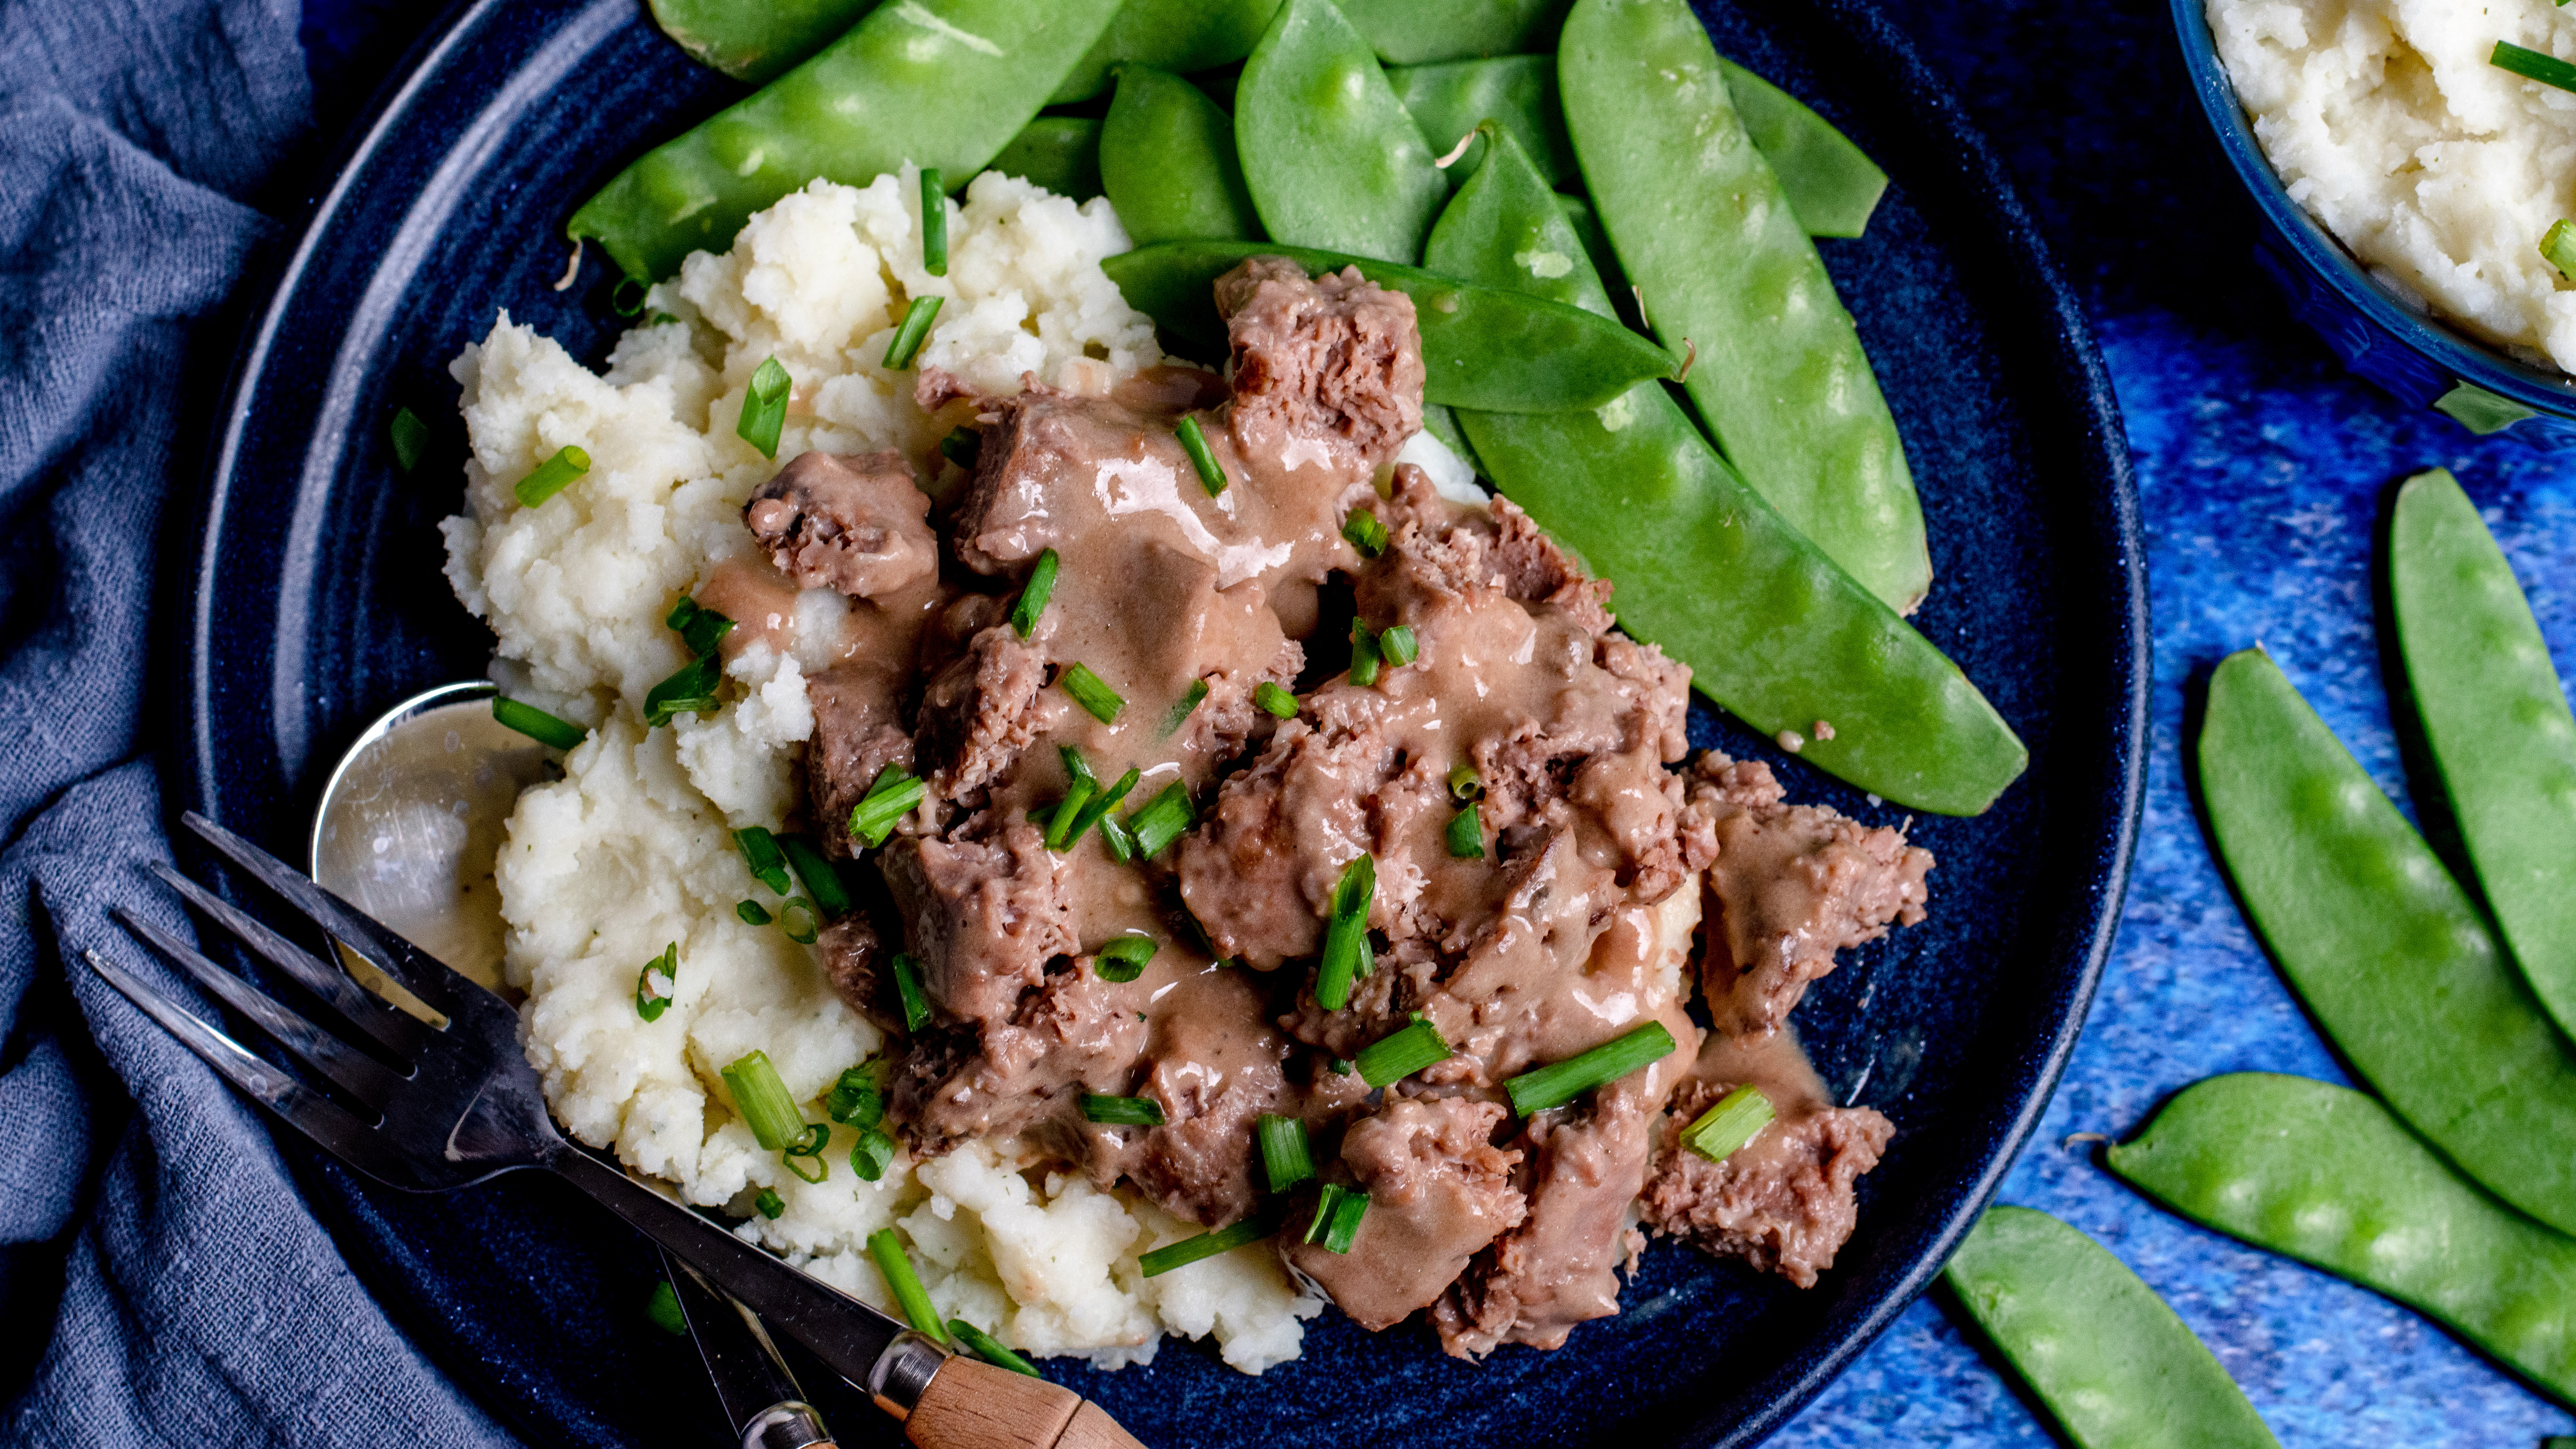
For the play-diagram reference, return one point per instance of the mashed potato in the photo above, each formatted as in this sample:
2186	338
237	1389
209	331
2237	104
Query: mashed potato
632	850
2440	171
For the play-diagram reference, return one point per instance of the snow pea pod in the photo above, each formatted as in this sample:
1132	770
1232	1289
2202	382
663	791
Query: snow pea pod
943	83
1060	153
1167	159
2112	1363
1411	32
1481	347
1772	629
1701	225
2383	946
755	43
1831	183
1331	157
2326	1175
2497	723
1170	35
1452	98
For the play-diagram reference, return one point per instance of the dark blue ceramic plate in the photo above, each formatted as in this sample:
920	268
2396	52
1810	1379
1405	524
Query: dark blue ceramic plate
318	600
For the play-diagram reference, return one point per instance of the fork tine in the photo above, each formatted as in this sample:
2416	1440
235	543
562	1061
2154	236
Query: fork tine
365	1078
390	1028
432	978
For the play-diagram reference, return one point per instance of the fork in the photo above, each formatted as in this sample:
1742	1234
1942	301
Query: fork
447	1105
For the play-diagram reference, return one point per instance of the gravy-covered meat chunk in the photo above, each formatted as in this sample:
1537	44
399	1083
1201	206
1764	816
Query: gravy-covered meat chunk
858	732
981	711
986	916
1439	1191
1783	1202
852	524
1331	362
1217	1066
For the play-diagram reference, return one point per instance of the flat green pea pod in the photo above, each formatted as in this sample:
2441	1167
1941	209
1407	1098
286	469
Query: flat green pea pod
943	83
1831	183
1703	229
1482	348
1771	629
1411	32
758	42
1331	157
1451	99
1168	163
2496	721
2326	1175
1170	35
2114	1366
2383	946
1060	153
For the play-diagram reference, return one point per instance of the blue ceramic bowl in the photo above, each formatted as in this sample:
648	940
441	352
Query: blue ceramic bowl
2416	358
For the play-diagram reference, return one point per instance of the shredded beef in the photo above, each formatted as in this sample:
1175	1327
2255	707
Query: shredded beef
1335	357
981	711
1784	1203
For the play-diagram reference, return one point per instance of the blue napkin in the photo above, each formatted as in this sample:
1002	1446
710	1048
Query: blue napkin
144	1212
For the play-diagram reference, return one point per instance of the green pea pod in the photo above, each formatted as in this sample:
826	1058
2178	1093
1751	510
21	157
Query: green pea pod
1451	99
1060	153
755	42
2383	946
1169	35
943	83
1702	227
2112	1363
1481	347
1411	32
1772	630
2326	1175
1331	157
2496	722
1167	160
1831	183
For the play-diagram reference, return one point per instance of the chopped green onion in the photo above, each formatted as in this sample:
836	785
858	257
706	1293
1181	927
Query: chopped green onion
1162	821
1364	654
699	627
1467	834
1558	1083
552	476
962	447
760	855
1207	1245
1089	692
1122	1111
1397	646
908	988
764	407
1097	812
1346	934
663	1308
2547	69
2559	245
627	297
804	1157
1195	443
934	223
769	1204
798	920
1274	699
821	879
871	1156
1338	1211
1189	703
990	1349
762	1100
858	1097
1398	1055
660	319
1284	1155
894	794
1342	1067
1365	532
1078	797
536	724
1464	784
652	1000
411	438
914	331
1123	959
753	913
1033	594
1075	766
1725	1128
691	689
896	1265
1116	836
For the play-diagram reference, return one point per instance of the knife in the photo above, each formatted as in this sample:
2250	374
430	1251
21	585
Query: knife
760	1397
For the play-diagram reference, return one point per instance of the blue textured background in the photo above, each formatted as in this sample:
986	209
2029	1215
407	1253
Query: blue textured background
2261	468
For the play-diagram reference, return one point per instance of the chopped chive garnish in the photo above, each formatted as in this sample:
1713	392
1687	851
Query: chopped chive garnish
660	319
1365	532
871	1156
962	447
914	331
1097	812
804	1157
1123	959
858	1097
934	223
762	1100
990	1349
1116	836
760	854
1342	1067
2547	69
1033	594
1195	443
1207	1245
1284	1156
1122	1111
1464	784
536	724
1364	655
1398	1055
896	1265
822	882
699	627
411	438
552	476
1558	1083
769	1204
1397	646
1725	1128
798	919
764	407
663	1308
1338	1211
1326	1199
1077	798
1467	834
894	794
653	997
1087	690
1162	821
1346	934
691	689
908	988
1274	699
627	298
2559	245
753	913
1188	705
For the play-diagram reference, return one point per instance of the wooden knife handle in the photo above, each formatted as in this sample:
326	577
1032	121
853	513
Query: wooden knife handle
972	1405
